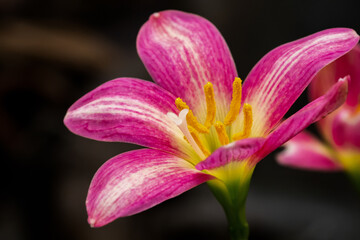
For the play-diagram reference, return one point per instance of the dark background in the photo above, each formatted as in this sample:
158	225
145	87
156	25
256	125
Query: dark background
54	51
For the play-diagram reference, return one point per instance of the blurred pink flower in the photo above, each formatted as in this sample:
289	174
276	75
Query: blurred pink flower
340	147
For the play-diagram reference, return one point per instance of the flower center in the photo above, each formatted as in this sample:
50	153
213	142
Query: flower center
196	133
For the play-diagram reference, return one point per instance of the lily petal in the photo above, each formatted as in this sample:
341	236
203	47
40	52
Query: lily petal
312	112
279	78
306	152
349	64
182	52
345	129
233	152
128	110
138	180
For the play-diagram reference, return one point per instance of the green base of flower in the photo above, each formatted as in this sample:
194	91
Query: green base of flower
232	196
355	179
351	162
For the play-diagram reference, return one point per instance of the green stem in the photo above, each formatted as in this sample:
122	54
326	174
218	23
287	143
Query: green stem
351	162
232	196
238	226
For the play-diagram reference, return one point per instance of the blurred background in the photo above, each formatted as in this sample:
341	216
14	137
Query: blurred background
54	51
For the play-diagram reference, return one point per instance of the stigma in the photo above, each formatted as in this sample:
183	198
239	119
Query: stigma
181	122
199	135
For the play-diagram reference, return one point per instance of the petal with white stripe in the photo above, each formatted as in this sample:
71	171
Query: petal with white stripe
136	181
312	112
129	110
279	78
182	52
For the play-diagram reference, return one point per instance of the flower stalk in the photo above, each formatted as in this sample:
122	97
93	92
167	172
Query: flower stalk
232	197
351	163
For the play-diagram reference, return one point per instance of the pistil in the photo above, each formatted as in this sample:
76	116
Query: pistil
180	121
191	127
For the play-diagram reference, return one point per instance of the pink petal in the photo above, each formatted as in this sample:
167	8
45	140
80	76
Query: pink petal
233	152
281	76
136	181
345	129
349	64
306	152
128	110
182	52
312	112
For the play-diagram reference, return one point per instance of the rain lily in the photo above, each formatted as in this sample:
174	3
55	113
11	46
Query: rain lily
198	121
340	130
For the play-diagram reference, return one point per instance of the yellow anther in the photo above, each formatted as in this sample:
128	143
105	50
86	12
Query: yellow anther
210	104
198	141
235	103
248	122
221	132
190	118
180	104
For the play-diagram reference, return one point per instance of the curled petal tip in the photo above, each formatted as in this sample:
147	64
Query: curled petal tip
349	30
355	33
155	16
92	222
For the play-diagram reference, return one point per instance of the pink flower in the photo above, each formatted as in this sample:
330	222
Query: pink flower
340	147
196	131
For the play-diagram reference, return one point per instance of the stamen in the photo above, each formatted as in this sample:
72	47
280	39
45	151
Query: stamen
198	141
191	119
180	121
235	103
248	121
221	132
210	105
